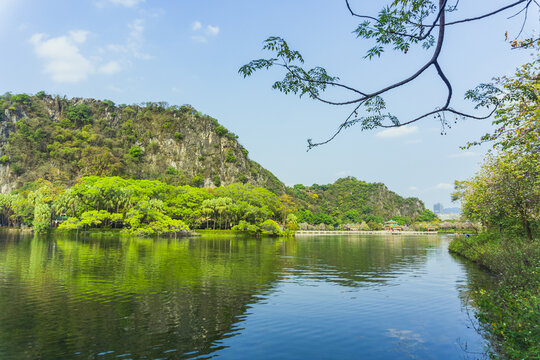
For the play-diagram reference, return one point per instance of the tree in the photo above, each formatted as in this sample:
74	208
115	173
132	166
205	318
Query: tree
400	25
504	194
517	118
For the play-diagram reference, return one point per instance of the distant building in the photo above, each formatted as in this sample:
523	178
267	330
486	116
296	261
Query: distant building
438	208
392	226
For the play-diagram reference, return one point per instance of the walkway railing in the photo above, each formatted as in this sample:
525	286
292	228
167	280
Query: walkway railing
349	232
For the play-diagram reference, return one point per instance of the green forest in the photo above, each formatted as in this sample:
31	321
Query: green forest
151	207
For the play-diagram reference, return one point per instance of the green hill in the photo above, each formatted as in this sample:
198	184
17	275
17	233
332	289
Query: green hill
63	140
349	200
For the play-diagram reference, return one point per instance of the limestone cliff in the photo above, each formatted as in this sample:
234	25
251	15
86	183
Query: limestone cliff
61	140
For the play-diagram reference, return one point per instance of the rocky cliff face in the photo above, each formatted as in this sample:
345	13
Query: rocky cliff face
62	140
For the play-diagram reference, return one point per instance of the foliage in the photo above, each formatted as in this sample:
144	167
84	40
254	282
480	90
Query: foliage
135	152
292	222
221	130
510	312
517	119
349	201
230	157
427	216
172	171
21	99
81	114
504	194
270	227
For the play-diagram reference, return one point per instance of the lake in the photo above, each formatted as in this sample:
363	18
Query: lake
313	297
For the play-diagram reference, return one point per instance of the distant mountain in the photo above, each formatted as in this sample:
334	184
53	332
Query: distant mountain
349	200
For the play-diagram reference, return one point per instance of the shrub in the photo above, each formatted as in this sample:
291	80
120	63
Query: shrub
221	130
172	171
109	103
245	152
81	114
270	227
247	227
17	169
197	181
135	152
21	99
178	135
217	180
230	157
4	159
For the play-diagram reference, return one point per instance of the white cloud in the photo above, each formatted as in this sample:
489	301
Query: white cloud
408	337
413	188
397	132
209	31
463	154
444	186
126	3
110	68
134	42
63	60
212	30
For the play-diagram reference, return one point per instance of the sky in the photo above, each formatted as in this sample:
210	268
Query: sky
189	52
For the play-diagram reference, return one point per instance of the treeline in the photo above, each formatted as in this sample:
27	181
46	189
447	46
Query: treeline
147	207
141	207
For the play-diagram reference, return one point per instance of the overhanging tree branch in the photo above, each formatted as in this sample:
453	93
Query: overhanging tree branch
400	24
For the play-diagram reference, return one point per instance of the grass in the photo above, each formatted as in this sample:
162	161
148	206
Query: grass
509	313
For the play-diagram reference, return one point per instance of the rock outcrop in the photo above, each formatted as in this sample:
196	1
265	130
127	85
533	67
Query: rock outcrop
62	140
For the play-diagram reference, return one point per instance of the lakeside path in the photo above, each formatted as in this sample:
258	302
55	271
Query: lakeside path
379	232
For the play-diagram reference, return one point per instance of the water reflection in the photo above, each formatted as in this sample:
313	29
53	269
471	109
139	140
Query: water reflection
356	261
139	298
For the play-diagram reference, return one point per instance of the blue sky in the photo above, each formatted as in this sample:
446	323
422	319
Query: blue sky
189	52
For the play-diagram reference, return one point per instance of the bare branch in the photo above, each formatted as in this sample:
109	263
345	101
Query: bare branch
488	14
524	19
360	16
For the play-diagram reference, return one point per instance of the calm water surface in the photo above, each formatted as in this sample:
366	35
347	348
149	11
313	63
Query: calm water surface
339	297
